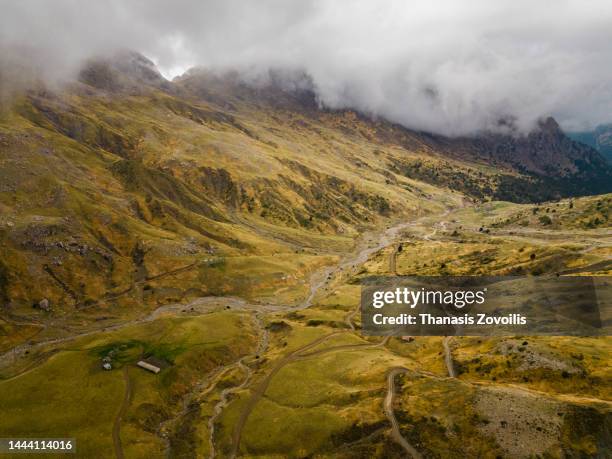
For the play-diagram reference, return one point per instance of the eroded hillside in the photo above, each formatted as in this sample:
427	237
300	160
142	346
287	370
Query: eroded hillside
113	184
221	230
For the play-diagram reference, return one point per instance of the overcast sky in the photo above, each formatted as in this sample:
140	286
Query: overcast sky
447	66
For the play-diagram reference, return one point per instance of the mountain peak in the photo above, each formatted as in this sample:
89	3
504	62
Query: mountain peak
125	70
550	125
274	89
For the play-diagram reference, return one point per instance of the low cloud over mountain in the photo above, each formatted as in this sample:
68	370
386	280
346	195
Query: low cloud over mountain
447	67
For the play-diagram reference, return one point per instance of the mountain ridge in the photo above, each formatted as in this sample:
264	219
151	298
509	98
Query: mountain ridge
545	151
123	176
600	139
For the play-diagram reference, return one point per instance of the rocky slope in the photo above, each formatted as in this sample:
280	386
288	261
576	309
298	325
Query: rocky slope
600	139
121	179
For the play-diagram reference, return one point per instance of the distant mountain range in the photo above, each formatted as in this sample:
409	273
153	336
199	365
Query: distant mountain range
600	139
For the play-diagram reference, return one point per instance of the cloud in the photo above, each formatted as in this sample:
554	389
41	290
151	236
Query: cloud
444	66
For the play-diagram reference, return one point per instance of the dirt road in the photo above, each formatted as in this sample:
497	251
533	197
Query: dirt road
225	393
318	281
392	260
261	388
122	409
387	238
389	412
448	357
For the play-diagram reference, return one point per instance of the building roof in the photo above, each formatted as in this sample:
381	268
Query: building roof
147	366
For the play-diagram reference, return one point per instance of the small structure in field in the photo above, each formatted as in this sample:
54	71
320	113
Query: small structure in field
149	366
44	305
153	363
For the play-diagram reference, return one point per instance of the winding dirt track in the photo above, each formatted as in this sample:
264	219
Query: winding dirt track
261	388
317	283
263	345
124	406
392	260
298	354
388	406
448	357
387	238
218	409
319	280
202	305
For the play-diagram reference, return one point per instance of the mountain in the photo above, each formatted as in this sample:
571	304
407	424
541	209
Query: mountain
219	231
600	139
123	176
549	164
126	71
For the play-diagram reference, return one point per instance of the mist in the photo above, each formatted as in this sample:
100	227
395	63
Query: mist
443	66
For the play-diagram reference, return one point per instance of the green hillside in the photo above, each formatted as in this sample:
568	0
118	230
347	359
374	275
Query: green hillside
220	231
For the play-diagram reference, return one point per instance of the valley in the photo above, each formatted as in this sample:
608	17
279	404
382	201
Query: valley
302	360
219	232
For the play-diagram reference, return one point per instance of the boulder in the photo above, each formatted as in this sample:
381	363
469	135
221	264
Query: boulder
44	305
